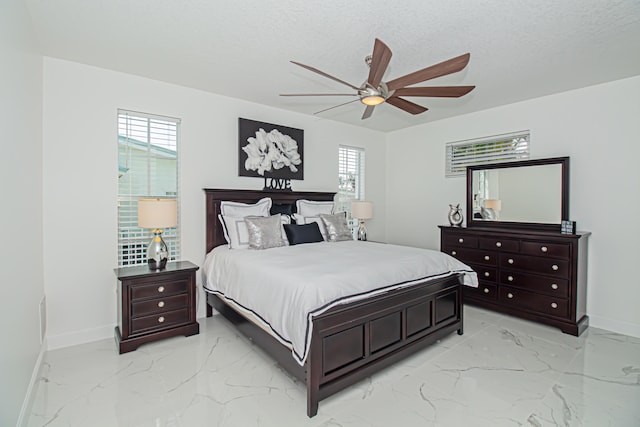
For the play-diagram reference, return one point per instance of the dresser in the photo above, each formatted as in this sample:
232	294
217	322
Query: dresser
536	275
155	304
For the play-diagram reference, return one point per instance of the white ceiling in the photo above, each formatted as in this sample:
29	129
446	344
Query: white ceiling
520	49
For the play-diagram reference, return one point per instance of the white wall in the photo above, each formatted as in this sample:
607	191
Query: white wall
21	214
80	179
597	127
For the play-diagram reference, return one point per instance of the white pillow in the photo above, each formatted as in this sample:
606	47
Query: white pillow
302	220
236	209
235	231
313	208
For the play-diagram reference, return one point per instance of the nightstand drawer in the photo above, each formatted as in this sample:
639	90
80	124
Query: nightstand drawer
159	305
159	321
159	289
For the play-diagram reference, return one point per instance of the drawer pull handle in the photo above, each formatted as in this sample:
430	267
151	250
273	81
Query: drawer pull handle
544	249
160	288
554	286
486	258
161	319
161	304
554	267
487	274
510	278
510	260
554	305
486	290
499	244
461	240
509	295
454	253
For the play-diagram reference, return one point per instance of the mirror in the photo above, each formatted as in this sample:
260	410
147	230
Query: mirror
524	194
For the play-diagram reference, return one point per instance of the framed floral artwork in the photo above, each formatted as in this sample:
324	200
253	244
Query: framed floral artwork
272	151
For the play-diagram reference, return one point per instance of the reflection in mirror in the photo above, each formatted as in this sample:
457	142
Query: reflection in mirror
531	194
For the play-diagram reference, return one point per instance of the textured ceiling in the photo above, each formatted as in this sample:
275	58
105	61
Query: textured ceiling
520	49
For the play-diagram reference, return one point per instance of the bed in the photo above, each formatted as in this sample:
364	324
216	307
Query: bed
350	339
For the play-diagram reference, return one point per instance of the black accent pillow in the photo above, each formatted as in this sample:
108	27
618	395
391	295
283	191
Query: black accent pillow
282	209
303	233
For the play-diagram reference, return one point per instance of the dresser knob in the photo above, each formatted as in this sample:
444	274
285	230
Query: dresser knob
486	258
161	319
554	267
510	278
510	260
160	288
509	295
161	304
554	286
487	274
499	244
461	240
554	305
544	249
486	290
454	253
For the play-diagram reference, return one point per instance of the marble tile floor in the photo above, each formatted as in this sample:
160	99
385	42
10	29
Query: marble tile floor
502	372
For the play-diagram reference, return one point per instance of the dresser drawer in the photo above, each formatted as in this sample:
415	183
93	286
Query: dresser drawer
159	305
496	243
159	289
159	321
557	250
535	302
548	266
474	256
486	273
460	240
484	291
547	285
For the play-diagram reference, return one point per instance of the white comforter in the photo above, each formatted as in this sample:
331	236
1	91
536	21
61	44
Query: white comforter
286	286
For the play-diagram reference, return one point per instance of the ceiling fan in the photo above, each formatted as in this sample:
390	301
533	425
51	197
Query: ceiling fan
375	92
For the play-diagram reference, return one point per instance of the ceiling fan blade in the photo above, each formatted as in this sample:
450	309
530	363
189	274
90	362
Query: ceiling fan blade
379	62
368	111
322	73
318	94
336	106
442	69
405	105
435	91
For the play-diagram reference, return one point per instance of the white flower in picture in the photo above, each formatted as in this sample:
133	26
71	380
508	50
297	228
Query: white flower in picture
273	150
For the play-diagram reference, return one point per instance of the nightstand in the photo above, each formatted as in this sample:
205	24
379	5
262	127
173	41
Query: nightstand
155	304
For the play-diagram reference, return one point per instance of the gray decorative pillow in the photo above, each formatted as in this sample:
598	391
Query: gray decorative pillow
336	226
264	233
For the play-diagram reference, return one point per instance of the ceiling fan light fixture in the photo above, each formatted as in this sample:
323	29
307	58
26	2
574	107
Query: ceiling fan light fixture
372	100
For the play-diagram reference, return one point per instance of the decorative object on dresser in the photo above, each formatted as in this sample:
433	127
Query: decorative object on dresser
525	265
455	215
155	304
157	213
362	210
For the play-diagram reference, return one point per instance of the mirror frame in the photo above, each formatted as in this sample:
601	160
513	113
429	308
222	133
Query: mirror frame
563	161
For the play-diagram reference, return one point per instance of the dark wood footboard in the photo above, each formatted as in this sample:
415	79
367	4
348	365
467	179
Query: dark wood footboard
352	341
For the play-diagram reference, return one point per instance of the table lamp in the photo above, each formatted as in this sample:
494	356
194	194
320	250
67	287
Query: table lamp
495	205
362	210
156	214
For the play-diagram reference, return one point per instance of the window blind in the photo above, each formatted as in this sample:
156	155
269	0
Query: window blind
350	177
494	149
147	167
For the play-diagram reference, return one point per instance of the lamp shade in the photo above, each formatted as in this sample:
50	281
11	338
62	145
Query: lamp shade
157	213
495	204
362	209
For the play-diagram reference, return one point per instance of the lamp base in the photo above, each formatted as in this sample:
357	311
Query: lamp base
157	252
362	232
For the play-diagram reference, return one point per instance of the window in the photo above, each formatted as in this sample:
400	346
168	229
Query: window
147	167
350	178
495	149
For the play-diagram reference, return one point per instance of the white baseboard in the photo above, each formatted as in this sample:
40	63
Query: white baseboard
27	404
79	337
626	328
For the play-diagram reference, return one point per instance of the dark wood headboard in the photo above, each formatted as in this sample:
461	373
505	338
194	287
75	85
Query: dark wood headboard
214	233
